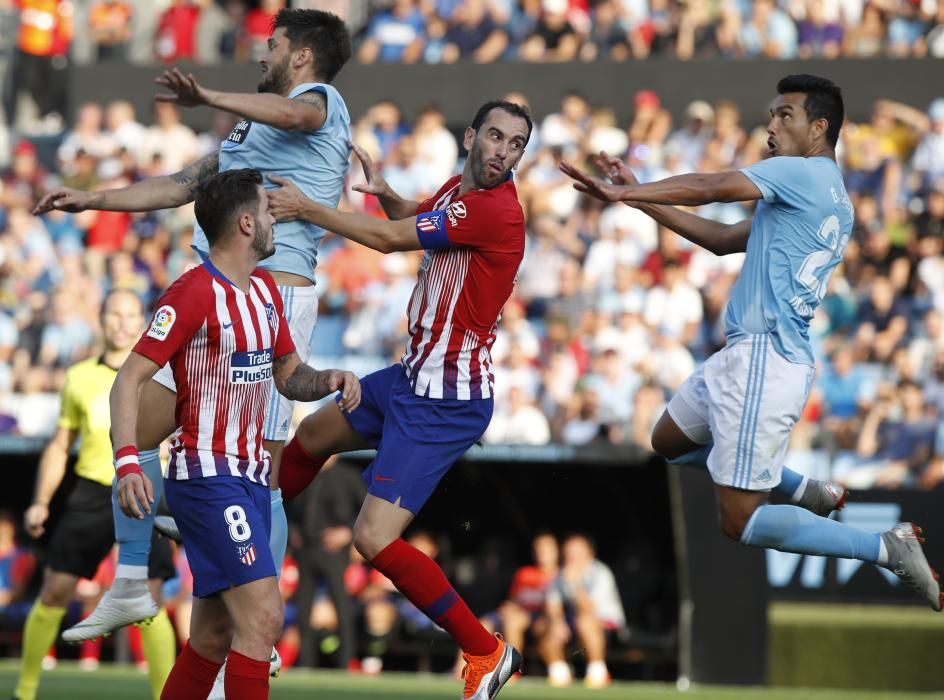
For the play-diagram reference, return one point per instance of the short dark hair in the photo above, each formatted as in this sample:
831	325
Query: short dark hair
322	32
513	109
223	196
823	101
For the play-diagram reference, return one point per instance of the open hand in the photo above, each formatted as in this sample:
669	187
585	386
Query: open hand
615	169
375	184
64	199
588	184
187	91
286	201
135	495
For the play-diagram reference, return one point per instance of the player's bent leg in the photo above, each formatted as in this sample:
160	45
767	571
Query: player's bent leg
669	440
735	508
490	662
319	436
129	601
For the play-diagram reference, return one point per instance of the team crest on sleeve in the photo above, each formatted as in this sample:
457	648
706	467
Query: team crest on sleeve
429	223
456	211
272	316
247	553
162	322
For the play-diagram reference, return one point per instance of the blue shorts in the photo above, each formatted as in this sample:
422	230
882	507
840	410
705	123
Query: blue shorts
417	439
225	523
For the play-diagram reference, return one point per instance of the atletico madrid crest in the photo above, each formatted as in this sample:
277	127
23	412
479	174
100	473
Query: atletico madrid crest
247	553
272	315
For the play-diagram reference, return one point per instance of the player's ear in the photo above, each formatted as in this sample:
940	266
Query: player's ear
247	224
303	57
468	138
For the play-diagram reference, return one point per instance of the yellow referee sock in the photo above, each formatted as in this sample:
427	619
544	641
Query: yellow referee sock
39	633
160	650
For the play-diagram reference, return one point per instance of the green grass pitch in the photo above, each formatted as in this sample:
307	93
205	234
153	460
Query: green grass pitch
67	682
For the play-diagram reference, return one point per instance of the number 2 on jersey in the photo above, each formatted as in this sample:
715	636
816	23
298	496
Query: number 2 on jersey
239	530
814	271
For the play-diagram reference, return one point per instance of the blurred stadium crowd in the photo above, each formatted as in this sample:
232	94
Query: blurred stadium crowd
486	30
610	314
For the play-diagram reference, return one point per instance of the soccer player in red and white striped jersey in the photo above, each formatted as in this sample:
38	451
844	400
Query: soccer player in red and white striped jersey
423	413
222	328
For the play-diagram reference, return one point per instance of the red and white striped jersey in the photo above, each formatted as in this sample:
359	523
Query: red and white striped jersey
474	246
220	342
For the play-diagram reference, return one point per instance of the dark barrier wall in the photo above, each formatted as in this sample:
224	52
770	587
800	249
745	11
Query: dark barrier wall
722	591
460	89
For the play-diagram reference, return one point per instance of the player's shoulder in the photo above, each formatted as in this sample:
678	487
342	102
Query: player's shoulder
196	277
265	277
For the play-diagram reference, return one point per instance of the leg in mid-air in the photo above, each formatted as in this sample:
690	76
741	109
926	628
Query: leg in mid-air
820	497
129	600
747	398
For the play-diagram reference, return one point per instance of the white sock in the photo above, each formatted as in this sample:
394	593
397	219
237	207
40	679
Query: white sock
216	692
798	494
882	552
130	571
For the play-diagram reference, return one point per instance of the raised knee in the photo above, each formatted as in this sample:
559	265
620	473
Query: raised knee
733	523
366	542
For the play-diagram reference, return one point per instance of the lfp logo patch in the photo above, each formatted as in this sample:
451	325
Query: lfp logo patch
162	322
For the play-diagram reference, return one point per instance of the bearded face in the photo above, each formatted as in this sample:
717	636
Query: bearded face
275	77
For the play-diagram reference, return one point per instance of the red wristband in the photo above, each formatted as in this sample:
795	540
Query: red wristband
126	461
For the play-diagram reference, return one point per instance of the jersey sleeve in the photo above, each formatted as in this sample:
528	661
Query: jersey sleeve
70	416
180	314
284	345
781	180
472	222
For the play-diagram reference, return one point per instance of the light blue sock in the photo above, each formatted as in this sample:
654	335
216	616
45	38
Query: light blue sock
795	529
278	535
698	458
133	535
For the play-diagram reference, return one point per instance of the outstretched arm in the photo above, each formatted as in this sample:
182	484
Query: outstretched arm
394	206
307	112
287	203
163	192
297	381
718	238
689	190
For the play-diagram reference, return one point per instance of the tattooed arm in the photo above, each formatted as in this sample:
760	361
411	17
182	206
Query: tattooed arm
163	192
306	112
297	381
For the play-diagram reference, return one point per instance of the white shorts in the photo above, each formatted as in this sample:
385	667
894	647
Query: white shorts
745	398
301	312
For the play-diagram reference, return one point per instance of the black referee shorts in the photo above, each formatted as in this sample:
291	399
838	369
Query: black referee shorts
86	533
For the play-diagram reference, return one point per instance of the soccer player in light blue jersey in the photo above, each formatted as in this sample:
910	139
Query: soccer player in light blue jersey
734	415
296	125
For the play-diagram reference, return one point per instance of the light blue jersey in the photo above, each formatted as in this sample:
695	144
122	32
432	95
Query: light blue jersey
798	236
316	161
